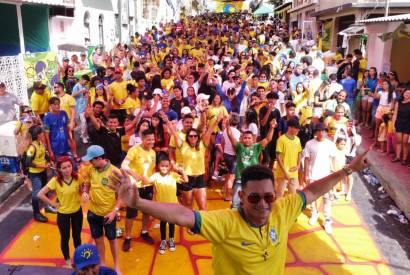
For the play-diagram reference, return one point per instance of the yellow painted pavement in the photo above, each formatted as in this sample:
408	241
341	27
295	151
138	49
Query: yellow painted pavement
350	250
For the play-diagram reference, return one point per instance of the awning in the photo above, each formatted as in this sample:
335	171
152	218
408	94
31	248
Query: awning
352	30
394	18
98	4
264	9
66	3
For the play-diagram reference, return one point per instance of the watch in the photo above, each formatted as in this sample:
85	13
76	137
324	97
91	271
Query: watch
347	170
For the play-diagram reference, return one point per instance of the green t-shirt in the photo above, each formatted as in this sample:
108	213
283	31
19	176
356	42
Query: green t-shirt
246	156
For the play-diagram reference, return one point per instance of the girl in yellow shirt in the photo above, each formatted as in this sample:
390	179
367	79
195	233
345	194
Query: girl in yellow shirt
69	213
167	81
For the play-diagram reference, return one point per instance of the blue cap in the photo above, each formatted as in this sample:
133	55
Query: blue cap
99	86
92	152
85	255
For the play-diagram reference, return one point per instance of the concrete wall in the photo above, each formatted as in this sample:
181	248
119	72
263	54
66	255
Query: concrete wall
399	58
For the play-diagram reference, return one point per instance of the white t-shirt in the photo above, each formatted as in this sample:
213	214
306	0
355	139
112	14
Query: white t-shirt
384	98
320	154
253	128
228	149
334	88
226	85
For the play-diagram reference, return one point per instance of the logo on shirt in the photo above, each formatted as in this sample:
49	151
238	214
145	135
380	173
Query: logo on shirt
245	243
104	181
272	235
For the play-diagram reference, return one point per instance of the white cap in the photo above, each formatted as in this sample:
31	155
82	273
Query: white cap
201	97
186	110
158	91
217	67
227	59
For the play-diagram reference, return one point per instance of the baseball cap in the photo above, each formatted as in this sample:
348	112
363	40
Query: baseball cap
118	71
201	97
92	152
100	86
157	91
319	127
185	110
86	255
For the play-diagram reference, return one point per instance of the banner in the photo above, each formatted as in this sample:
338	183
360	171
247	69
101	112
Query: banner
41	67
220	6
327	35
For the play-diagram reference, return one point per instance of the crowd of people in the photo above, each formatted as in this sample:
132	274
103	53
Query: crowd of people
198	101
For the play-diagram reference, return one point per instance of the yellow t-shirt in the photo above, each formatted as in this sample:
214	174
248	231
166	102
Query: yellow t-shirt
289	148
67	101
213	113
193	161
167	83
102	198
239	248
334	125
132	104
39	103
119	91
68	195
173	144
38	150
142	161
165	187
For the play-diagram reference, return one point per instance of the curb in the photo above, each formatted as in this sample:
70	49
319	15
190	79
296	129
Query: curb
399	193
11	183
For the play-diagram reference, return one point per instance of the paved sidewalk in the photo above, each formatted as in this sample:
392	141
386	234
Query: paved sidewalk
8	184
394	177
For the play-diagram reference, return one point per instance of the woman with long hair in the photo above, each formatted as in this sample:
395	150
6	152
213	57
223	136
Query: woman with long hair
387	99
368	89
161	135
67	185
300	97
143	125
401	121
216	109
69	80
321	96
251	124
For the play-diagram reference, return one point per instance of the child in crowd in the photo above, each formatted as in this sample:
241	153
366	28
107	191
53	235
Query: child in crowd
340	162
165	184
391	135
382	137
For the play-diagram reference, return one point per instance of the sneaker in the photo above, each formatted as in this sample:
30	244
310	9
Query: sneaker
348	197
162	247
147	238
172	247
50	209
190	232
84	140
313	219
215	176
328	226
68	263
126	245
40	217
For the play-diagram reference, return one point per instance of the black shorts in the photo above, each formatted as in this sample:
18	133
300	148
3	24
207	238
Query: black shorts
194	182
230	162
98	226
146	193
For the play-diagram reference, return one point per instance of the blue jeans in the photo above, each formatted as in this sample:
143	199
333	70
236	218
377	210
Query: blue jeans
38	180
236	202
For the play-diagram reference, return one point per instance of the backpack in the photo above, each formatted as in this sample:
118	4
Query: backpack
25	164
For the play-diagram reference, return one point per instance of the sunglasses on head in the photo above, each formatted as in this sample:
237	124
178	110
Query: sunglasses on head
254	198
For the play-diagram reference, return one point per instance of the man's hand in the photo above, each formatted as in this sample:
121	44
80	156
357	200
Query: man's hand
109	218
85	197
360	162
127	192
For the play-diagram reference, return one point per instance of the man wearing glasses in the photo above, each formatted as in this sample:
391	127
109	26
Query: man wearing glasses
251	239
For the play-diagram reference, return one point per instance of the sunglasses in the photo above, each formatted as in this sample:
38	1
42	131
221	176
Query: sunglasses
191	136
255	198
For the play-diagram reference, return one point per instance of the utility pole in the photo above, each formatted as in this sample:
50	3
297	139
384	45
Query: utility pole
387	8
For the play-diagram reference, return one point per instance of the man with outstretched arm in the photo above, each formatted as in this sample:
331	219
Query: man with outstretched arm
253	238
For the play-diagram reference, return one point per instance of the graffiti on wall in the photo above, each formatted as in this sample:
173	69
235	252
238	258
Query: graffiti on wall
41	67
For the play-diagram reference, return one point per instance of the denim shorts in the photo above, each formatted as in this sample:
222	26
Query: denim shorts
98	226
230	162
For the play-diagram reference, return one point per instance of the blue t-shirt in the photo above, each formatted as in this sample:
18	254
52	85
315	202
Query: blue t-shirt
56	125
80	100
372	83
349	85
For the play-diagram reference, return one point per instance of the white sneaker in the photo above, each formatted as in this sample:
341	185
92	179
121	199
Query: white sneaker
313	219
84	140
171	244
328	226
162	247
215	176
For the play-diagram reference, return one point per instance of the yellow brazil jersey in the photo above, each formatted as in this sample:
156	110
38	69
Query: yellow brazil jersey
39	103
336	125
66	102
119	91
239	248
102	197
131	104
173	144
68	194
165	187
141	161
193	160
289	148
37	150
167	83
213	113
362	67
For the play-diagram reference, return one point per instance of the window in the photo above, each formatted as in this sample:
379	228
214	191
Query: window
87	34
101	29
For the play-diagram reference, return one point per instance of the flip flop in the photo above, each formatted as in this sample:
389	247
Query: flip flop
395	160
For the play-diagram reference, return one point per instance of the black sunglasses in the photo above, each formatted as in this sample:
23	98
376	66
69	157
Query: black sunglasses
255	198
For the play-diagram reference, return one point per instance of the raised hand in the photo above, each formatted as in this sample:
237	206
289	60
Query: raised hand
127	192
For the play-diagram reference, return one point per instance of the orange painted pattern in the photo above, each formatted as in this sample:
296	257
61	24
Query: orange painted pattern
350	250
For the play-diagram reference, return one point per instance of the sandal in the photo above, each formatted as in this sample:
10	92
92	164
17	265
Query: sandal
395	160
403	163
